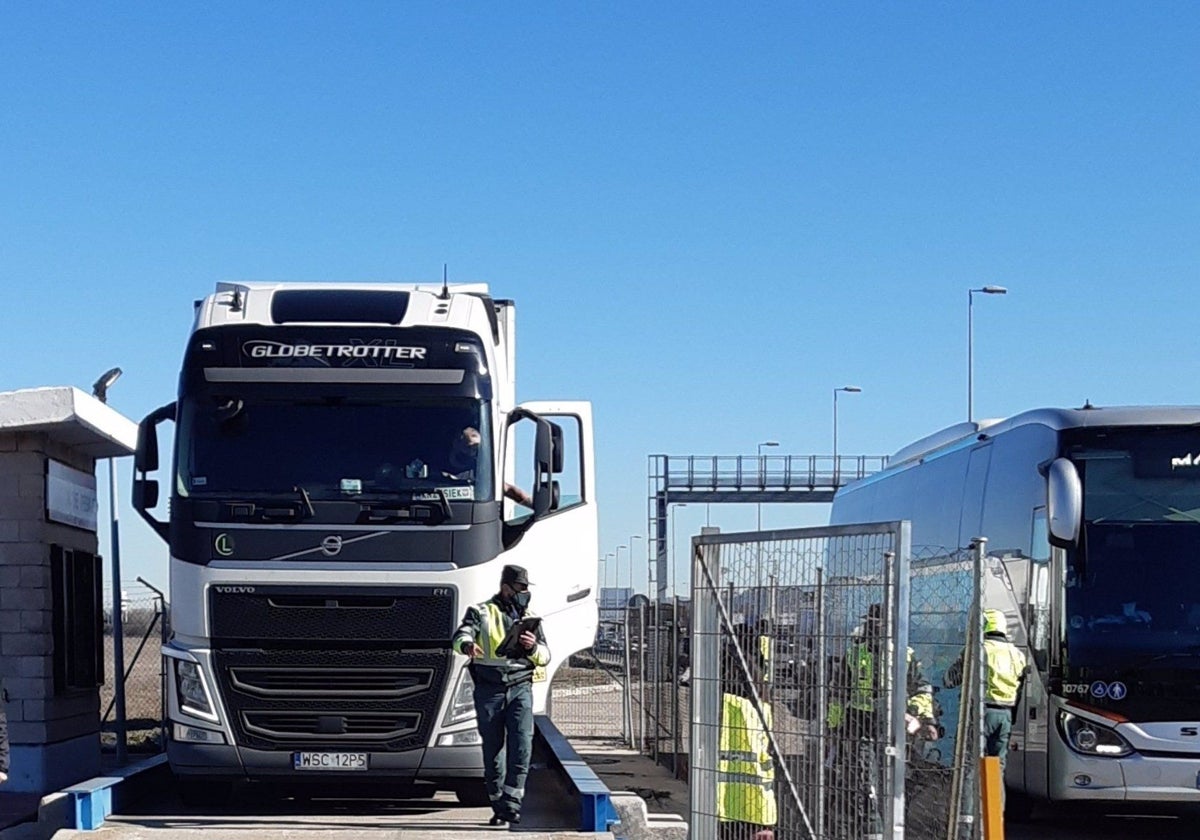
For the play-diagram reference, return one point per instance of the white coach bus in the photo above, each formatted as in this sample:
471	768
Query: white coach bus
1095	513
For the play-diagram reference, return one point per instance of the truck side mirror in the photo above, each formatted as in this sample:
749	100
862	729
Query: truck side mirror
543	491
145	460
145	494
556	464
1064	503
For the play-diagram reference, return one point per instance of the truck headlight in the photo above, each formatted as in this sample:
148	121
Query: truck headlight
1091	738
193	693
462	704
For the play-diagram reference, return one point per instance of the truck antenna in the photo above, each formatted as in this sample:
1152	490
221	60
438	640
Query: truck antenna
445	288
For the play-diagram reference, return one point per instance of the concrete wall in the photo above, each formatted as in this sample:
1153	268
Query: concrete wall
54	738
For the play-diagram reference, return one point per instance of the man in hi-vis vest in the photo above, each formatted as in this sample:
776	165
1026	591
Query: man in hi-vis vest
504	688
1005	668
857	717
746	807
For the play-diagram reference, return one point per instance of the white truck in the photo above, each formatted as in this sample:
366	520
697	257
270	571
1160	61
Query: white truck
337	498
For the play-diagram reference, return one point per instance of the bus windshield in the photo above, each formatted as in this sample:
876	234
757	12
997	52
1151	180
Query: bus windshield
1133	588
333	447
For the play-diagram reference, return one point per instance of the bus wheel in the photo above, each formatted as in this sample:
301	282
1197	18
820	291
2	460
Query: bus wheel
1018	807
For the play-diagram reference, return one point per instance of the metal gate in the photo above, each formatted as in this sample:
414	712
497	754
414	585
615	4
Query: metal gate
797	717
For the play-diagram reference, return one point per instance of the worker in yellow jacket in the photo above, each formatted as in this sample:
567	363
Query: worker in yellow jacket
746	804
1005	668
857	720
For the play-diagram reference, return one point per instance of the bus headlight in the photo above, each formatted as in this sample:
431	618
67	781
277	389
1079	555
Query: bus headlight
1090	738
193	694
462	704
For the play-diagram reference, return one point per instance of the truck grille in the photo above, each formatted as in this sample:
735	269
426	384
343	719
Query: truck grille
348	683
375	699
354	726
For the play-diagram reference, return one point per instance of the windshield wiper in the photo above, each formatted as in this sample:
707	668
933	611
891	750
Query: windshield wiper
447	511
307	501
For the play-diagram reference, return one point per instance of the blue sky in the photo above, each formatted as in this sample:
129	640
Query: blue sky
709	215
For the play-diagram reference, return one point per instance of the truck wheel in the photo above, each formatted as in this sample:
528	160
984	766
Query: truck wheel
473	796
206	792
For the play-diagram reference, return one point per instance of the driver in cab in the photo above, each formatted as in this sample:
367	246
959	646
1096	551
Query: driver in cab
464	454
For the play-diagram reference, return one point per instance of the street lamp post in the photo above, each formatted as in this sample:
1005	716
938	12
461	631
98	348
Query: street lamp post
849	389
986	290
100	392
675	550
762	475
762	481
631	539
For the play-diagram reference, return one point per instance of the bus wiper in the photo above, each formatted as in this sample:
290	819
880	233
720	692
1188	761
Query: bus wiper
307	501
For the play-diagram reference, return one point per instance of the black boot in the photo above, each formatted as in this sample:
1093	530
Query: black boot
496	820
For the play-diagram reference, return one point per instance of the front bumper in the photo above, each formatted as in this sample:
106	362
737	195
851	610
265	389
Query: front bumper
433	764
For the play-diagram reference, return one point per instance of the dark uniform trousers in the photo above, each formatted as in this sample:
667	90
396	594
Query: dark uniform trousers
506	727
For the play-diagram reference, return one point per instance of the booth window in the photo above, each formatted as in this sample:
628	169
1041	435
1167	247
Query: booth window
78	616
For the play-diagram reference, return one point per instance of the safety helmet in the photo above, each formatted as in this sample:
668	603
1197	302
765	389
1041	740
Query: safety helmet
994	622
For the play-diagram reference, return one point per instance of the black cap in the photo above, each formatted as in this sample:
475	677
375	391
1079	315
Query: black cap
514	574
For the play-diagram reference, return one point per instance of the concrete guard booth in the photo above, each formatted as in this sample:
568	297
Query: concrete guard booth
51	580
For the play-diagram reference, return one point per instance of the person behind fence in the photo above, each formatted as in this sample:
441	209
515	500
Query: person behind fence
504	688
857	718
746	807
766	649
1005	669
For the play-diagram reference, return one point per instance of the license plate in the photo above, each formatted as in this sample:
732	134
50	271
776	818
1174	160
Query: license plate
329	761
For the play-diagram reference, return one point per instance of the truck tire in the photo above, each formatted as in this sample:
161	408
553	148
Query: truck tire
205	792
473	795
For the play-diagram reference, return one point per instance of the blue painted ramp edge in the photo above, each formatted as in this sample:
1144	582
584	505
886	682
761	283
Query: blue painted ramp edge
595	800
92	800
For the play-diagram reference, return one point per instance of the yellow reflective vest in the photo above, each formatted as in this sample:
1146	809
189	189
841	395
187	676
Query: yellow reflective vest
764	652
486	625
746	771
863	687
1005	666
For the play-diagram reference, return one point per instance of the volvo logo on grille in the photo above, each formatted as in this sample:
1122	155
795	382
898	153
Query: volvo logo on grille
236	590
331	545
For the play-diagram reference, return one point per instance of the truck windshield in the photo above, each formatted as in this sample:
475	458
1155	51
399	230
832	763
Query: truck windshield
334	447
1133	588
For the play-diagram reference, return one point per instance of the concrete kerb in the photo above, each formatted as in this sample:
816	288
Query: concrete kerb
637	823
86	805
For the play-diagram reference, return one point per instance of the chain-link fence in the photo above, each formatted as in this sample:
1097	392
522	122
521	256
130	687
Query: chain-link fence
589	700
142	619
941	766
810	749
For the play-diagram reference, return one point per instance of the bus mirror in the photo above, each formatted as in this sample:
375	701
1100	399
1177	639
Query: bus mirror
1064	493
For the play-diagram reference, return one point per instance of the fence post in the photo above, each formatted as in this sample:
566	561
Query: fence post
704	745
822	701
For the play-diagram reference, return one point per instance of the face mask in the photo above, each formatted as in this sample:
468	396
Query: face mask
521	600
